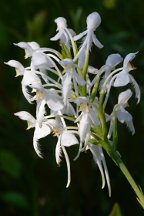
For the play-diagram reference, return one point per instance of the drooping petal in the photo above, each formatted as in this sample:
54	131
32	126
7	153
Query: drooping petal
130	126
97	158
136	88
40	132
96	41
67	87
41	112
123	115
84	126
68	166
26	93
105	170
58	152
124	97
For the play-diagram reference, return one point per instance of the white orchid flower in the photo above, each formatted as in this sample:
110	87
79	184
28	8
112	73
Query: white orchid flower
29	77
99	159
124	77
93	21
40	132
66	138
47	97
85	120
29	47
71	76
64	33
121	114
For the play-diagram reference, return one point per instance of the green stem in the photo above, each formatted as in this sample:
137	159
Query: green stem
84	71
115	134
114	155
95	89
130	179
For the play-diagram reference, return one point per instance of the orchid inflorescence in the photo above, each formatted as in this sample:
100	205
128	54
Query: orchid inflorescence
71	96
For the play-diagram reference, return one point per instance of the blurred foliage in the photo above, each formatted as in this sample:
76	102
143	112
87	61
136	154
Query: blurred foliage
34	187
115	210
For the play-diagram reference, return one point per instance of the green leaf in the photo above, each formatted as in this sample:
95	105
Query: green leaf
116	210
10	163
16	199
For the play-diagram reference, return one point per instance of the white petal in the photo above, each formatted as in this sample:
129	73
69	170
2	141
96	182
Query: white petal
84	126
97	158
26	93
54	101
61	23
41	112
42	131
58	152
56	37
124	97
93	21
68	139
123	115
128	59
37	147
17	65
26	47
136	87
67	63
92	70
122	79
40	60
68	166
114	59
34	45
79	36
31	79
105	170
26	117
66	89
97	42
130	126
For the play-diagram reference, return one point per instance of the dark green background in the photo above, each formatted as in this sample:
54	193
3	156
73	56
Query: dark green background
30	186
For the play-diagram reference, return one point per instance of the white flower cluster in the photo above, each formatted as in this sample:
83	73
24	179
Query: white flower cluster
71	96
